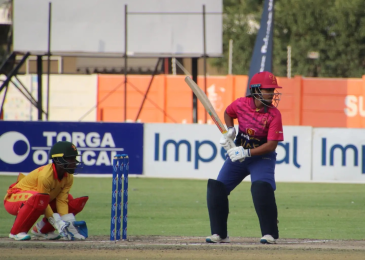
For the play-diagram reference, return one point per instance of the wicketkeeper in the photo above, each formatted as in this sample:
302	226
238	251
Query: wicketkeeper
260	130
46	191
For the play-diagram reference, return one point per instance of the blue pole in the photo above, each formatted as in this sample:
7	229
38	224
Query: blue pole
125	195
114	196
119	198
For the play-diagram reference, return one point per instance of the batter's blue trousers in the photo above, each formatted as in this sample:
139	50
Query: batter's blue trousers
260	168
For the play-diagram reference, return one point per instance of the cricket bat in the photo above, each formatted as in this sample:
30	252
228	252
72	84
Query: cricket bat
208	107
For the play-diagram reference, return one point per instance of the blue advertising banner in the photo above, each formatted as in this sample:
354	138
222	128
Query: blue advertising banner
24	146
262	54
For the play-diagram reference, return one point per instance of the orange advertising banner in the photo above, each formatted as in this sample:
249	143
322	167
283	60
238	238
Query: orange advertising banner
317	102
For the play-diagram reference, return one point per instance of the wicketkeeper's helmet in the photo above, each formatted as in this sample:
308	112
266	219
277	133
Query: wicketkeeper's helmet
64	154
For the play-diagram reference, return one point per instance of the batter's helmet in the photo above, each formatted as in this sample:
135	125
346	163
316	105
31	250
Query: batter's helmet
265	80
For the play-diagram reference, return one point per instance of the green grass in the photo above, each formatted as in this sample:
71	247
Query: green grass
178	208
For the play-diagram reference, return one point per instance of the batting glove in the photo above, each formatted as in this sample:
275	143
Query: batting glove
231	132
227	143
238	153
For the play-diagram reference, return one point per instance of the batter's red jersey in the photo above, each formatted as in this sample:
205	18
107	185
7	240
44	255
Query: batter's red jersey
256	126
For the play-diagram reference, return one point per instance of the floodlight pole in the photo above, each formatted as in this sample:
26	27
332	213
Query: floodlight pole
288	72
205	61
49	54
230	57
125	63
39	74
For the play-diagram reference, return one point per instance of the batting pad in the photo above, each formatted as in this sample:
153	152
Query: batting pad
265	205
218	208
29	212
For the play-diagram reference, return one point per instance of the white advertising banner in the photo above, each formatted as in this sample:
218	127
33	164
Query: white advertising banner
193	151
182	151
293	160
72	98
16	105
152	28
338	154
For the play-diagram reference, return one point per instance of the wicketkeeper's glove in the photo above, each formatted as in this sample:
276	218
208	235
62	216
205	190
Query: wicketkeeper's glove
77	230
59	224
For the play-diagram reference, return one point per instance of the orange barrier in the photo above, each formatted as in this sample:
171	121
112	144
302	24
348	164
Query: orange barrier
317	102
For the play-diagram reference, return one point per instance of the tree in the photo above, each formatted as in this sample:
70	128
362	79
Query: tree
333	28
239	24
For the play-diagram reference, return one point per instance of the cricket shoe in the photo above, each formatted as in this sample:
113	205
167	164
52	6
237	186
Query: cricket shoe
19	237
49	236
217	239
268	239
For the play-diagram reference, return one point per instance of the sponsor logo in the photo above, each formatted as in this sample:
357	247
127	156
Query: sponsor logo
290	152
205	151
95	149
172	148
273	79
15	147
250	131
343	151
354	106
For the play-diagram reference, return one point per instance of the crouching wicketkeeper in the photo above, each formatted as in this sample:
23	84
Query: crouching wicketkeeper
46	191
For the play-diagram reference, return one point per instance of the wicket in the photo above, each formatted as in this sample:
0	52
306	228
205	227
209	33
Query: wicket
120	163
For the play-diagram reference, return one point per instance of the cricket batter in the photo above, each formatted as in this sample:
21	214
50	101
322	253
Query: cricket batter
46	191
260	130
